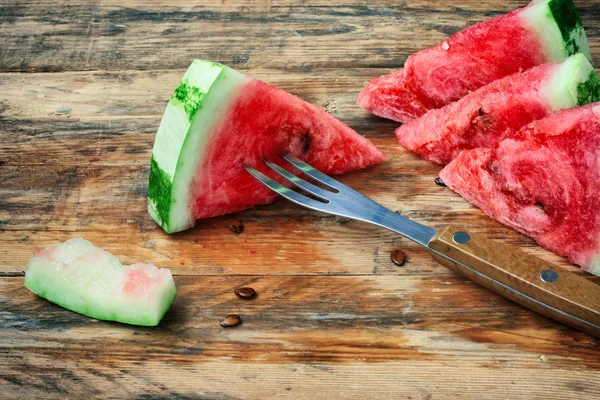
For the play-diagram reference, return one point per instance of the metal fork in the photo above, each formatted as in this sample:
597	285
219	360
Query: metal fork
340	200
520	277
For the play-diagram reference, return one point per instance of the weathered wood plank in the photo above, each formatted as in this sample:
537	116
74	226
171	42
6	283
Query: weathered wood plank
334	317
223	381
144	94
305	328
109	118
40	205
86	35
85	109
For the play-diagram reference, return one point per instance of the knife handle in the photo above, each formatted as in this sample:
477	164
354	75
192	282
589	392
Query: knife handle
520	277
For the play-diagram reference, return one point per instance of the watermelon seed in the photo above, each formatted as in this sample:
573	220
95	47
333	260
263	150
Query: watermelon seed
540	205
237	227
481	112
244	292
231	320
439	181
398	257
305	143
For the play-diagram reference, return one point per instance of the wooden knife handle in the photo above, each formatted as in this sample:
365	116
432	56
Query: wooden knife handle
520	277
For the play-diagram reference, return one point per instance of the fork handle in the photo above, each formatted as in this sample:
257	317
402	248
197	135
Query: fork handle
522	278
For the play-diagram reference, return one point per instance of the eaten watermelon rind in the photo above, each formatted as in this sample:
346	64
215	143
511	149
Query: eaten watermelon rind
197	103
574	83
85	279
558	27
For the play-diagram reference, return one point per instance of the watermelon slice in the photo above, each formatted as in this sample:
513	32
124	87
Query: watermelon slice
544	182
496	111
544	31
86	279
217	121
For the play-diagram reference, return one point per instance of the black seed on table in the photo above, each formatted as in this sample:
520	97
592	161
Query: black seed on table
244	292
305	143
398	257
236	227
440	182
231	320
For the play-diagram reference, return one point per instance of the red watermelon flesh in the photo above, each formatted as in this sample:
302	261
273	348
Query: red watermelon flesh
497	110
544	182
265	123
219	120
476	56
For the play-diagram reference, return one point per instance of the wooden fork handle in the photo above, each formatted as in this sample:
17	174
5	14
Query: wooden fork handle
522	278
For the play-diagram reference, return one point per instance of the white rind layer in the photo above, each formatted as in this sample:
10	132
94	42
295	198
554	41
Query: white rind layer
175	123
594	267
538	18
181	137
221	93
561	89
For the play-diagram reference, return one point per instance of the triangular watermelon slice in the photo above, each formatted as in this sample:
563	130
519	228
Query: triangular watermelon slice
219	120
544	182
544	31
497	110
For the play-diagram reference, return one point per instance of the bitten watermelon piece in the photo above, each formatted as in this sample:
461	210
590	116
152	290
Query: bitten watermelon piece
88	280
544	182
544	31
496	111
219	120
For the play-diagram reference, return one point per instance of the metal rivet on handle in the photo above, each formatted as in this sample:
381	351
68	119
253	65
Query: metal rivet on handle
549	276
461	237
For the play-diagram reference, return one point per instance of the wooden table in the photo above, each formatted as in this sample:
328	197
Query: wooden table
83	85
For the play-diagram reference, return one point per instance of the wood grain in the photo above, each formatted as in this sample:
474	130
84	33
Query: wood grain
320	328
291	35
83	85
110	35
570	299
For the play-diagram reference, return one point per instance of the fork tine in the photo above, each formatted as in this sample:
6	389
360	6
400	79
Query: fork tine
286	192
315	174
302	184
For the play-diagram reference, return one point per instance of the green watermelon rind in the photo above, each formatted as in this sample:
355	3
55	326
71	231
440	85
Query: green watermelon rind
574	83
197	104
159	193
570	25
588	91
71	293
558	27
37	287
